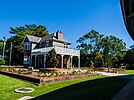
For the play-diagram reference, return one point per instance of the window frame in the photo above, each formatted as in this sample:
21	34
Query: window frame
27	46
26	60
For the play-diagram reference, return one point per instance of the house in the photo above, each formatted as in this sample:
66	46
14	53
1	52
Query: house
36	49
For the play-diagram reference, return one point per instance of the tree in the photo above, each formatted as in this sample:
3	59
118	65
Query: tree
129	59
102	50
17	38
1	47
51	60
112	47
98	60
2	61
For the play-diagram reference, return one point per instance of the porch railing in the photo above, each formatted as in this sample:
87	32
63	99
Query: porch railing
59	50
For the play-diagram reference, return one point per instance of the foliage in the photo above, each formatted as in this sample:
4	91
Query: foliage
103	50
51	60
18	34
2	61
91	65
98	59
129	59
1	47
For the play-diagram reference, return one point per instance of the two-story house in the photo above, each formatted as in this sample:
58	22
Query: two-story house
36	49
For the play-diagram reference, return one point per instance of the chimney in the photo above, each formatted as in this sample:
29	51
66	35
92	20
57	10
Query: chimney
59	35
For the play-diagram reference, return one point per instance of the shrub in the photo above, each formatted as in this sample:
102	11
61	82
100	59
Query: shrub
2	61
51	60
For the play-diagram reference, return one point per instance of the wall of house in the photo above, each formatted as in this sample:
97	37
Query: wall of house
33	46
60	44
48	44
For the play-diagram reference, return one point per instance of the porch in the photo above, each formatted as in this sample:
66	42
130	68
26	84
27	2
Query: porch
64	56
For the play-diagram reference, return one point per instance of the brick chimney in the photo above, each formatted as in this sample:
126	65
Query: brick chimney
59	35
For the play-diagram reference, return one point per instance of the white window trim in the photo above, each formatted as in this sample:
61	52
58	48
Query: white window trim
26	60
27	46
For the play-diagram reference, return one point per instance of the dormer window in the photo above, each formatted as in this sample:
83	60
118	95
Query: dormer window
27	46
47	44
65	45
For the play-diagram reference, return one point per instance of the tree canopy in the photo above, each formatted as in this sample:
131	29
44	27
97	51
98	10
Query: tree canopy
17	38
102	50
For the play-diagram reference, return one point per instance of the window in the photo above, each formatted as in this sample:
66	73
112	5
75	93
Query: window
65	45
47	44
27	46
26	59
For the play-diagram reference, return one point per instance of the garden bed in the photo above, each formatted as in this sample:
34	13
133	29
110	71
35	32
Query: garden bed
40	77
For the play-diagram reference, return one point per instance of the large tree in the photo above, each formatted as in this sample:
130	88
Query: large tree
100	48
129	59
18	34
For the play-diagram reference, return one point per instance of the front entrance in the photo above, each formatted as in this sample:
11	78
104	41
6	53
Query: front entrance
40	61
66	61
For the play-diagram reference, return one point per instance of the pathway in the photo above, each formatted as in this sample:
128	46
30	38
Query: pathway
127	92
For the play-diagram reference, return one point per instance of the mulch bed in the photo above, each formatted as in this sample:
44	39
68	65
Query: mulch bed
46	80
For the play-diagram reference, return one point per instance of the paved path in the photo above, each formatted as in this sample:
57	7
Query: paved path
117	74
127	92
110	74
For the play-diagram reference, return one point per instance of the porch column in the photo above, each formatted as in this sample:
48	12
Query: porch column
62	61
35	60
71	61
31	60
44	60
79	62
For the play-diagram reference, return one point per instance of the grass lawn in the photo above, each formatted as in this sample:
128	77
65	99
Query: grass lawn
94	88
128	72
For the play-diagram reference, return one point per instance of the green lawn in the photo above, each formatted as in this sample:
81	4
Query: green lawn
98	87
128	72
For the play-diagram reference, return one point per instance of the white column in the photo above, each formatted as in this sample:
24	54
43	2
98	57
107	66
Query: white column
44	60
31	60
71	61
62	61
79	62
35	60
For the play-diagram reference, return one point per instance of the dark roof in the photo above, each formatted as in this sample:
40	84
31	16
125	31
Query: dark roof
52	37
45	38
61	40
33	38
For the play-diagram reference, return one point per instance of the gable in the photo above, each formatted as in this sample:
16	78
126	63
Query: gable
30	38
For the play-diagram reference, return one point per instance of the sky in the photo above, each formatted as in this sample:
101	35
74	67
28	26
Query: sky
73	17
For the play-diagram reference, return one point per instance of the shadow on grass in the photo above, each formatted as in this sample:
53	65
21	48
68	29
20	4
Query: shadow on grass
97	89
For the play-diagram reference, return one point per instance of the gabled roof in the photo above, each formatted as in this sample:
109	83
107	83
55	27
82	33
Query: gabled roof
61	40
35	39
32	38
53	37
45	38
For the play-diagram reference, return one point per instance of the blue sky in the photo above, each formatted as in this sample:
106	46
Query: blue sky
73	17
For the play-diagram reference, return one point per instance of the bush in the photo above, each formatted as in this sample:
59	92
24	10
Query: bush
51	60
2	61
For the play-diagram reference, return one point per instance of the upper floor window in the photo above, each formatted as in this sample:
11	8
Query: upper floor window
47	44
65	45
27	46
